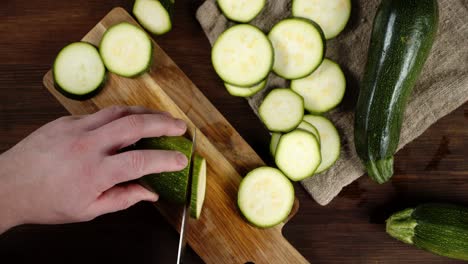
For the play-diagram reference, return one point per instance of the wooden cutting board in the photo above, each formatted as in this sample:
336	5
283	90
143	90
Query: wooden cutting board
221	235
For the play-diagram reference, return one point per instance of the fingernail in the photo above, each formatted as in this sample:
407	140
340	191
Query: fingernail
181	124
153	198
181	160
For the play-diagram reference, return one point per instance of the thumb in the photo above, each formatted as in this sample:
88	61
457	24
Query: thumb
121	197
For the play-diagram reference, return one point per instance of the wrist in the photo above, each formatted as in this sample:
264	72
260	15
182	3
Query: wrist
8	215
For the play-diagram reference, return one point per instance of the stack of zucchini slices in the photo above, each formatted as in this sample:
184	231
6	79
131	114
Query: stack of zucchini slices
79	69
294	49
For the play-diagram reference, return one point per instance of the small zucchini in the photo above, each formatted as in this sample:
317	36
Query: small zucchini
441	229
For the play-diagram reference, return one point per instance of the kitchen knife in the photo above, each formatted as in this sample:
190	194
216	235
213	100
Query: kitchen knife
186	209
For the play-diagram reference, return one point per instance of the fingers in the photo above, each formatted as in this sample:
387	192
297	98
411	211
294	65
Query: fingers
121	197
129	129
109	114
134	164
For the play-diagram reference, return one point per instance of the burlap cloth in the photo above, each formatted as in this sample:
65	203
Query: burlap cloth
441	88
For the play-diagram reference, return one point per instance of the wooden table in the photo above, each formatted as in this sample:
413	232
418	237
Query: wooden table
349	230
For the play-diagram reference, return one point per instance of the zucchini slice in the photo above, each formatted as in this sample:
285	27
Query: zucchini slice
126	50
242	11
78	70
171	186
304	125
265	197
242	56
275	137
299	47
331	15
243	91
282	110
198	186
298	154
154	15
329	141
322	90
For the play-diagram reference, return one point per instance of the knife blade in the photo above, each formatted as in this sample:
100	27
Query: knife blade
186	209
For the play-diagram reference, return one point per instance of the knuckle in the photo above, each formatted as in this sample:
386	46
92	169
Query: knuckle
63	119
118	110
135	122
57	123
137	161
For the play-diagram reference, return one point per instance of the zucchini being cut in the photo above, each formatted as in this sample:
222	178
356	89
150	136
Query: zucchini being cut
154	15
242	56
299	47
79	72
242	11
331	15
322	90
275	137
198	186
329	141
282	110
171	186
441	229
244	91
298	154
265	197
126	50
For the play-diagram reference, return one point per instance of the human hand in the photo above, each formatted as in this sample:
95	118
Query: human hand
70	170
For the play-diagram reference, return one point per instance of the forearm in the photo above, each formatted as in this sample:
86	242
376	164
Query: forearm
6	221
8	216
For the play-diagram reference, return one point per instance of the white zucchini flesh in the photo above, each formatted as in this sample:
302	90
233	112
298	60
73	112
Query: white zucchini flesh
241	10
298	154
265	197
304	125
153	16
198	186
243	91
126	50
329	140
331	15
322	90
299	47
275	137
282	110
242	55
78	69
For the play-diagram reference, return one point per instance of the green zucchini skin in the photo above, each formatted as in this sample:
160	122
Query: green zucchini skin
401	40
171	186
169	6
441	229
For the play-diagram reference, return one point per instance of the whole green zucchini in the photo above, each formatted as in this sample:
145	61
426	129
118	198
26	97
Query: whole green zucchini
438	228
402	37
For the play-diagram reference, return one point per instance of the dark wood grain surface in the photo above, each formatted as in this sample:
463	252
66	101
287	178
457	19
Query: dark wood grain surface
349	230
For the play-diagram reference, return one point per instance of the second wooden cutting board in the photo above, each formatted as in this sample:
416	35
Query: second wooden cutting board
221	235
